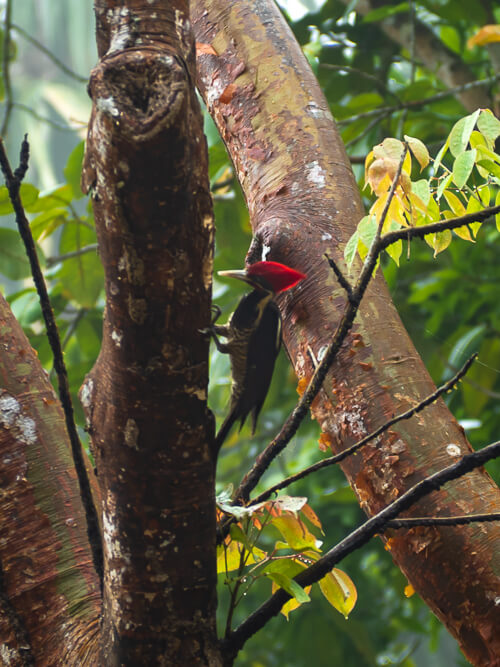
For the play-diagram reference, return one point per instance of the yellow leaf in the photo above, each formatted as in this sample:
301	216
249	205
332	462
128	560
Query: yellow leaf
228	557
485	195
439	241
368	162
325	441
310	514
485	35
409	591
419	150
464	233
454	203
340	591
395	251
295	533
302	385
417	203
380	175
292	604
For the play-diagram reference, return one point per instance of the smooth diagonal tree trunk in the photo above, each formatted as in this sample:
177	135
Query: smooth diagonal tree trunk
303	202
49	592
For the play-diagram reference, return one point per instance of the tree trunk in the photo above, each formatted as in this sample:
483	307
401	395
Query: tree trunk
146	169
49	591
303	202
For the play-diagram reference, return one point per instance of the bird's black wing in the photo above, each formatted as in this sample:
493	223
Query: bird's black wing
263	350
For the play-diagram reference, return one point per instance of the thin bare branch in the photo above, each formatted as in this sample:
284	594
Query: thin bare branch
357	539
64	68
70	255
333	460
416	104
413	522
436	227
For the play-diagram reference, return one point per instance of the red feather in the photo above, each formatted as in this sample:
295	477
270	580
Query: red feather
279	276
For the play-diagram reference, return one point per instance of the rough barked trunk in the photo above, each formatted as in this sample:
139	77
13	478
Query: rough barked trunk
303	202
146	170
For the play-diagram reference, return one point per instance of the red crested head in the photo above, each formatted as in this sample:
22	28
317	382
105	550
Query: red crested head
270	276
274	275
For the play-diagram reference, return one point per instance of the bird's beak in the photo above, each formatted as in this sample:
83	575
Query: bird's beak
240	274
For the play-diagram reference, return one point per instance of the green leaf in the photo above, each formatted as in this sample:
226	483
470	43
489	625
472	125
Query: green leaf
46	223
463	348
440	155
383	12
364	102
48	199
239	536
461	132
443	184
82	277
351	248
491	167
463	166
489	125
218	161
73	170
290	567
485	375
290	586
13	261
422	190
88	337
367	228
29	195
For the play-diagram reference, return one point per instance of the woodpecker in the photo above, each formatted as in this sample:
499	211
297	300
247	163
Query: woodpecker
253	339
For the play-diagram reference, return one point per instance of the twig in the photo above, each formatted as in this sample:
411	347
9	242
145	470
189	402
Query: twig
50	261
419	103
436	227
355	540
73	326
49	54
376	121
332	460
45	119
343	282
6	67
441	521
13	183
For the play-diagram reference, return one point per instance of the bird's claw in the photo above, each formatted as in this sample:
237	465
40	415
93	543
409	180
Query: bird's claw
209	331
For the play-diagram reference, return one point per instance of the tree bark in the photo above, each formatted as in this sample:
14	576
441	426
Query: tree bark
303	202
146	168
49	592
